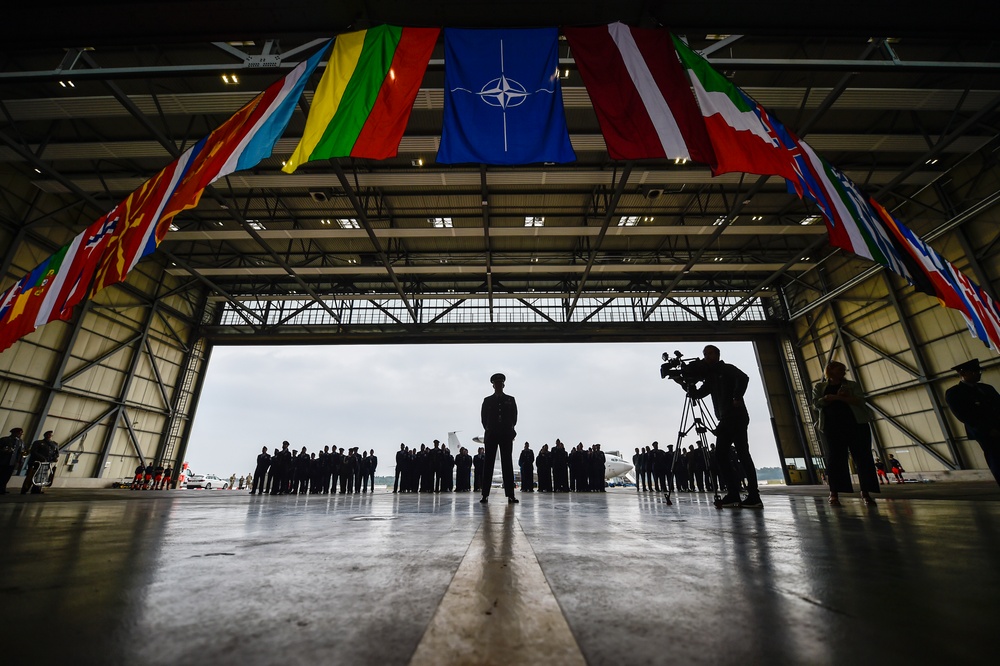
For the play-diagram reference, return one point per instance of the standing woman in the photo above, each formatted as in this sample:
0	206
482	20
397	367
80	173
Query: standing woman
844	428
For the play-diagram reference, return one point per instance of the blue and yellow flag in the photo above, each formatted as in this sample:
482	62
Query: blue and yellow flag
502	99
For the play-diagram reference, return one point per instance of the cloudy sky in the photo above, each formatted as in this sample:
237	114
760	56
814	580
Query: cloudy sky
376	397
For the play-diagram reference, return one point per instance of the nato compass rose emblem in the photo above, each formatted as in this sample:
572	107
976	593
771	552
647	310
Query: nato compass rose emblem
505	93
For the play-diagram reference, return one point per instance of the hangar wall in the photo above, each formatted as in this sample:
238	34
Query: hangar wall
899	344
117	382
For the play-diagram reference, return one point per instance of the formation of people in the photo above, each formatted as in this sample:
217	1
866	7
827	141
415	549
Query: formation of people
152	477
691	469
300	472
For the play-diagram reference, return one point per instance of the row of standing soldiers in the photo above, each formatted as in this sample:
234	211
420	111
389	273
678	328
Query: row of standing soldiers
294	472
559	470
684	470
433	469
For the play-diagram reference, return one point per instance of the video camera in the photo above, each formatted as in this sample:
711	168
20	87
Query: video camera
685	371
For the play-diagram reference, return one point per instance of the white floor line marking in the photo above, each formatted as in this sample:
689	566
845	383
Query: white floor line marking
499	608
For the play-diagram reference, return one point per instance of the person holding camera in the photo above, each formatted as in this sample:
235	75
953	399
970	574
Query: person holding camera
727	385
844	427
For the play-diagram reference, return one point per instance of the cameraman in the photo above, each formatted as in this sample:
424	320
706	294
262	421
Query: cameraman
727	385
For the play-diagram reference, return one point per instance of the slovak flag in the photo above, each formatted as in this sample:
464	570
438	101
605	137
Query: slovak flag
502	99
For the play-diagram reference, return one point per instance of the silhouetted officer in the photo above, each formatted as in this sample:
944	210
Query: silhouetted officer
401	460
263	464
560	468
477	465
527	464
499	416
463	466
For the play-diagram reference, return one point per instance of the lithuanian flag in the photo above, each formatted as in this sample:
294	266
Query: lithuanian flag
364	100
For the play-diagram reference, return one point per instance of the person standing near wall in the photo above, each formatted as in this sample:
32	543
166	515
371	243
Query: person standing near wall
844	428
977	405
11	452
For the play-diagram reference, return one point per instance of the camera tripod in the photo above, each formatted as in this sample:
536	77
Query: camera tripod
694	417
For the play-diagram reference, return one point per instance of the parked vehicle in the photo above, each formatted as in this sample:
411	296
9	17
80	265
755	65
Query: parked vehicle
206	481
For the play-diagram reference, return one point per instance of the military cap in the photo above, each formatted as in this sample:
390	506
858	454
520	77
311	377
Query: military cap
498	377
968	366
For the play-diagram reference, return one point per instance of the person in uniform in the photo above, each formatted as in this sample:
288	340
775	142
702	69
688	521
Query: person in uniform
477	469
463	469
263	463
11	452
597	468
157	476
499	416
977	405
400	466
527	465
281	467
727	385
638	463
560	468
41	451
137	479
544	464
168	474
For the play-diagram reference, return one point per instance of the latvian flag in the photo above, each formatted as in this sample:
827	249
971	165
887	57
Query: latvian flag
640	93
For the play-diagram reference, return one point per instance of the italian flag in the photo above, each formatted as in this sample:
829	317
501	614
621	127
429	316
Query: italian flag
640	94
363	102
745	137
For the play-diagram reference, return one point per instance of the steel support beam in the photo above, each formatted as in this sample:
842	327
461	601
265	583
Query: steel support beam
922	373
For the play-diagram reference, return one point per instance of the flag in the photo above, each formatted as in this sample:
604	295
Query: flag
951	286
105	252
744	136
851	221
640	93
20	304
241	142
364	100
502	99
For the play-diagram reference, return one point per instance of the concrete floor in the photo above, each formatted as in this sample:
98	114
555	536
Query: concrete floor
116	577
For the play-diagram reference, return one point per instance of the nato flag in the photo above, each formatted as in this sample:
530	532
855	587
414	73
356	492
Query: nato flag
502	100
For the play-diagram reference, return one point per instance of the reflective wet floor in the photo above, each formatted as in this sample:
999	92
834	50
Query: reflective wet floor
609	578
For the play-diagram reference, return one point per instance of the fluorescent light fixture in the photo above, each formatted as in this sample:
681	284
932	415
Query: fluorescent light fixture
348	223
254	224
812	219
530	221
440	222
174	227
628	221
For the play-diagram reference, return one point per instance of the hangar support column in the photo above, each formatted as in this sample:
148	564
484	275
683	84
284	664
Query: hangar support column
788	429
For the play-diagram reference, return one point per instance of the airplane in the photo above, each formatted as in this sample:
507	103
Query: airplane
615	465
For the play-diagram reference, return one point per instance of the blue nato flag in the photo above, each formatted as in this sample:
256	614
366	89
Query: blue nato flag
502	99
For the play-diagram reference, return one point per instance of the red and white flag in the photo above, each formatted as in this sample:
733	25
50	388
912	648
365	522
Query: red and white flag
640	92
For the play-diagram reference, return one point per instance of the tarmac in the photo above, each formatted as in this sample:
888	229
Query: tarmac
622	577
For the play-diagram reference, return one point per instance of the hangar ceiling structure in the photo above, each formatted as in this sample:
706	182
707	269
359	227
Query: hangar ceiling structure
96	98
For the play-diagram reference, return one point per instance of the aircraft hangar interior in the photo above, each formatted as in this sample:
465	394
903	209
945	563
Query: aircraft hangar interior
98	98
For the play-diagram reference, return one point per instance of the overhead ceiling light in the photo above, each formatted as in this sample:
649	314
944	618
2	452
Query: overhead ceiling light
719	221
931	161
440	222
812	219
419	162
254	224
757	218
531	221
628	221
174	227
348	223
680	160
67	84
230	79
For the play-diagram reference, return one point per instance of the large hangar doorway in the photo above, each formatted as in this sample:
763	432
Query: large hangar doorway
378	396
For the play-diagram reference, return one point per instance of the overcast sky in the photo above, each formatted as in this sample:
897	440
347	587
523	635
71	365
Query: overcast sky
376	397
